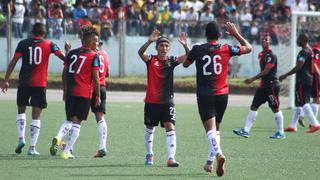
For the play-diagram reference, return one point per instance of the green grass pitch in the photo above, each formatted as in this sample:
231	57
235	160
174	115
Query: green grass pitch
258	157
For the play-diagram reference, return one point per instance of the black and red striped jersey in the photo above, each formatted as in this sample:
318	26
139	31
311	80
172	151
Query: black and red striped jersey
316	55
35	53
267	58
160	79
104	67
304	75
212	66
79	65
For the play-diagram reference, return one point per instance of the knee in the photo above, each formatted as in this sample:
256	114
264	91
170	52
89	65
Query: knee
168	126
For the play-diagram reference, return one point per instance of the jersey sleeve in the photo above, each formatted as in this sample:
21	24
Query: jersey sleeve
55	49
302	57
192	55
270	60
316	54
96	62
19	49
235	50
149	57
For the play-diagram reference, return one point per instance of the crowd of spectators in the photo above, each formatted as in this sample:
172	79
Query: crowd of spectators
253	17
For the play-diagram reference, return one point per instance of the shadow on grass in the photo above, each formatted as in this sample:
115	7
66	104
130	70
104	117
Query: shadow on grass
16	157
199	175
72	166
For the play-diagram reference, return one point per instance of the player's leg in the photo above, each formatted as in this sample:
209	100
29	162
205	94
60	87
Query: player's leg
169	125
78	112
38	102
207	111
306	94
64	129
259	98
315	95
101	122
299	102
23	95
274	104
151	119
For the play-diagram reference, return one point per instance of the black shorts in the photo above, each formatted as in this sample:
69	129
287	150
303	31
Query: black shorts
77	106
267	94
155	113
103	98
315	86
302	94
212	106
34	96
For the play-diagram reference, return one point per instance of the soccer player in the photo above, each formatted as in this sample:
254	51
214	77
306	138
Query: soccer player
159	105
268	91
81	68
303	71
211	60
101	109
98	111
34	52
315	83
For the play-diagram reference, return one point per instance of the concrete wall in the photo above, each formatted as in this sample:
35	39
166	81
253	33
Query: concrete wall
249	64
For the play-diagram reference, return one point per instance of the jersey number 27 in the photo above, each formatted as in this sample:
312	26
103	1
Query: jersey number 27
217	67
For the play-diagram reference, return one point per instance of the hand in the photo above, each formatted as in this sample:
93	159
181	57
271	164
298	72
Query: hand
248	81
183	39
97	102
231	29
282	77
154	35
67	47
5	86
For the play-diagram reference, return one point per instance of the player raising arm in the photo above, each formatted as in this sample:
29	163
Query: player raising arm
159	105
211	60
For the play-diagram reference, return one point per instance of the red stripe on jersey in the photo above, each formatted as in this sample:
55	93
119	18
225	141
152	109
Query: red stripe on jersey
270	65
104	67
19	54
220	79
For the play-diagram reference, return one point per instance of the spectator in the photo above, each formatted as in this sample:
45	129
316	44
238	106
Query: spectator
197	5
217	7
162	4
179	22
254	33
143	17
3	26
17	18
192	21
245	19
106	23
55	22
174	6
78	13
185	5
166	19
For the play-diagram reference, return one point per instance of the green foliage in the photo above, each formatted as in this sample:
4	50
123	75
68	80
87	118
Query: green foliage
257	157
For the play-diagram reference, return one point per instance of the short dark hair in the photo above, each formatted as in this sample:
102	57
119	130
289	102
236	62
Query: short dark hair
212	30
88	32
303	37
39	29
162	39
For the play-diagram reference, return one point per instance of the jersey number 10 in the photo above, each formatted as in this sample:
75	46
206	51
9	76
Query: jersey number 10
217	67
35	55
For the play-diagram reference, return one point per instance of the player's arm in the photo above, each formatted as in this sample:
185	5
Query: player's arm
233	31
12	64
184	42
292	71
95	75
258	76
316	68
153	37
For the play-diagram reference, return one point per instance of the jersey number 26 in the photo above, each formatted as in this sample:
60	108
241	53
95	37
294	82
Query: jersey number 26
217	67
